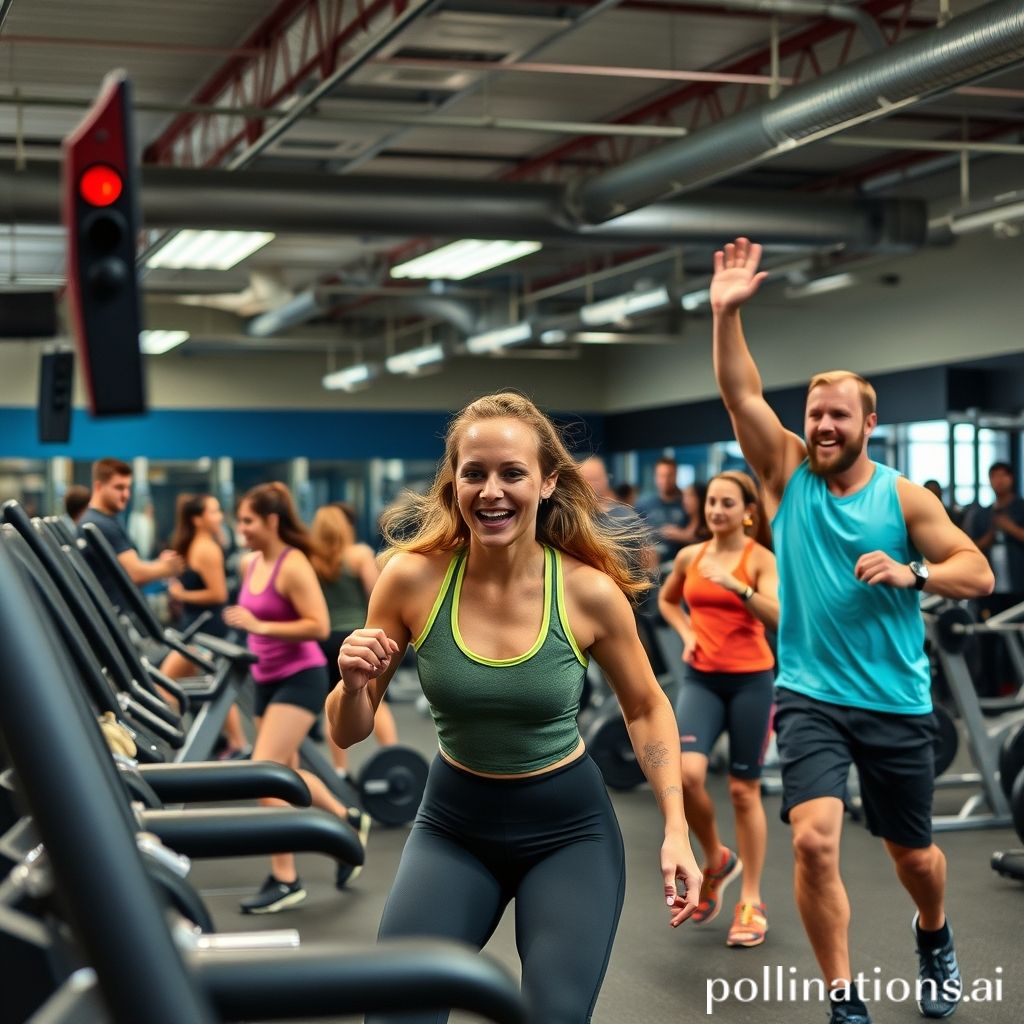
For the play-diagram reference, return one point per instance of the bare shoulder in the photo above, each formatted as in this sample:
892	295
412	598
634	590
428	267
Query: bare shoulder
763	555
359	554
916	500
414	569
589	589
205	549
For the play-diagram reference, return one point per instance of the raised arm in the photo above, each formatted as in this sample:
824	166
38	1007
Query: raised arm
772	451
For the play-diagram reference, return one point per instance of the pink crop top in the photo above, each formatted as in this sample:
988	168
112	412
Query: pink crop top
278	658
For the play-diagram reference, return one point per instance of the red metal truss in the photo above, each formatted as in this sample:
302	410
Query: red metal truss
806	54
298	40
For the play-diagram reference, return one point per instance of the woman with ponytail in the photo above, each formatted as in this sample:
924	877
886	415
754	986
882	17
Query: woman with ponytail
730	587
282	609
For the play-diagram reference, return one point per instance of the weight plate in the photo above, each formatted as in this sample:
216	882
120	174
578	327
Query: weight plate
947	739
391	784
1011	758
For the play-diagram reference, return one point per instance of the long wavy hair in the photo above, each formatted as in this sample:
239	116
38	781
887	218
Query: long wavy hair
332	536
759	528
186	509
275	499
571	520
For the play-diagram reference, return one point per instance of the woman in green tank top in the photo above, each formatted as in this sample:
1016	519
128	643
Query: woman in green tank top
347	572
507	576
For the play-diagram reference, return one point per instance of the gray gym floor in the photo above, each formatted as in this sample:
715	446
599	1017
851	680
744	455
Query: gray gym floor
660	975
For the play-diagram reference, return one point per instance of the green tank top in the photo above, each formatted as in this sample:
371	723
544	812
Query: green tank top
346	601
510	716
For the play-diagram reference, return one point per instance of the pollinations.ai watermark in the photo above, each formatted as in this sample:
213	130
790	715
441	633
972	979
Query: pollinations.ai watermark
779	984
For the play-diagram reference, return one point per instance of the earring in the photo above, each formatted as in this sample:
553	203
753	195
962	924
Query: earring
748	520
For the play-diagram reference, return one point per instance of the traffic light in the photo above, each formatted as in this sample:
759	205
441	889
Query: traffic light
100	215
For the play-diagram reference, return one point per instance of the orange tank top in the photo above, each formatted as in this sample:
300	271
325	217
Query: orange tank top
729	637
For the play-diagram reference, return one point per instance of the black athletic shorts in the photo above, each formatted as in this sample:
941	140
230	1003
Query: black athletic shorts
709	703
893	754
306	689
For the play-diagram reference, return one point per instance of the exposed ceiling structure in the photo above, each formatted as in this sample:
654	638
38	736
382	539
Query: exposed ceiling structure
623	139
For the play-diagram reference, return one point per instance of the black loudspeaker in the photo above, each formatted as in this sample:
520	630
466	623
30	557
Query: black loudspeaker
56	379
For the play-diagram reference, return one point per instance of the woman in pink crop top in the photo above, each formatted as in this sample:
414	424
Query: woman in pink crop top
729	585
282	609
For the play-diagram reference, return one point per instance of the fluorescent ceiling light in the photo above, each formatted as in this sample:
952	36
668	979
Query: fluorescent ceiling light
502	337
207	250
967	222
415	359
459	260
554	336
694	300
820	285
156	343
621	307
352	378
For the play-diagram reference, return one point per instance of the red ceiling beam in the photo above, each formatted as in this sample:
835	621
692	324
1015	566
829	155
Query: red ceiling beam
300	39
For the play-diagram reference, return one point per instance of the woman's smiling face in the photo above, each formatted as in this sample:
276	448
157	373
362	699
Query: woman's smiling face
499	482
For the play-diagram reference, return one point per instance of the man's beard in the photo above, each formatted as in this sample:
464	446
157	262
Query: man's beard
847	457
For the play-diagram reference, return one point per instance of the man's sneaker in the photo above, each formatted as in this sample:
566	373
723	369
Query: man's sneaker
938	975
361	822
274	896
844	1013
749	925
713	887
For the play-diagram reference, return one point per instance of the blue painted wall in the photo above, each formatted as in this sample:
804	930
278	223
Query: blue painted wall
249	434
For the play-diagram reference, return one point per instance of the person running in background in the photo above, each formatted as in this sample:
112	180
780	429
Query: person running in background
347	572
663	511
282	608
507	577
856	544
729	585
201	589
111	492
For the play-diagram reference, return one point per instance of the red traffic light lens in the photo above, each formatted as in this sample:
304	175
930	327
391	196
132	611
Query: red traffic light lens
100	185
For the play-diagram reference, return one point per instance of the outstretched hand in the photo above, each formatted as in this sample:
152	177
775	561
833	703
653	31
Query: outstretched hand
736	276
678	865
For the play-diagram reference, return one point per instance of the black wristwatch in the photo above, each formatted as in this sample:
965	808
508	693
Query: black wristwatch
920	571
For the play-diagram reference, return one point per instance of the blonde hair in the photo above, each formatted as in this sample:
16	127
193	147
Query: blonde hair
868	399
759	528
571	520
332	536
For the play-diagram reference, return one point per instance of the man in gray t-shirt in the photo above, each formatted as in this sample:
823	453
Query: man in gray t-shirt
664	512
111	491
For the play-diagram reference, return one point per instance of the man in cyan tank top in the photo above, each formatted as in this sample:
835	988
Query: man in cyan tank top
855	542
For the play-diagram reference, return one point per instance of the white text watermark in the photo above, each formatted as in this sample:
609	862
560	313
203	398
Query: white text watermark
779	984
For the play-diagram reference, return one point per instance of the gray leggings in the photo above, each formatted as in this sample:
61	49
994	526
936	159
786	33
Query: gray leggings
551	843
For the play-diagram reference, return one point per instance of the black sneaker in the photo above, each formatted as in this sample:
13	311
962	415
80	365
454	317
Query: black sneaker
361	822
274	896
844	1013
940	986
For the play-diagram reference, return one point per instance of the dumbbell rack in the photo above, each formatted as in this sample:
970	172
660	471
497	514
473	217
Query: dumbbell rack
987	808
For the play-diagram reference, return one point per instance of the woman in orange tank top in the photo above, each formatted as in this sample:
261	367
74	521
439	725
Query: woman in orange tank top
729	585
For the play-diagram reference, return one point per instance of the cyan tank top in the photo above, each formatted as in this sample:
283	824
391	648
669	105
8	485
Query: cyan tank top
510	716
840	640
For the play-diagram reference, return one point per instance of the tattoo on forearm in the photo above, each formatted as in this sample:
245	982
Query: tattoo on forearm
655	755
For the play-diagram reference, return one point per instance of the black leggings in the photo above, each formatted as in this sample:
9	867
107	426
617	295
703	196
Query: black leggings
552	843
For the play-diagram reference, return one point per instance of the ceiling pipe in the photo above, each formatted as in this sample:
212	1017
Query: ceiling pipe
363	205
934	61
319	301
799	8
